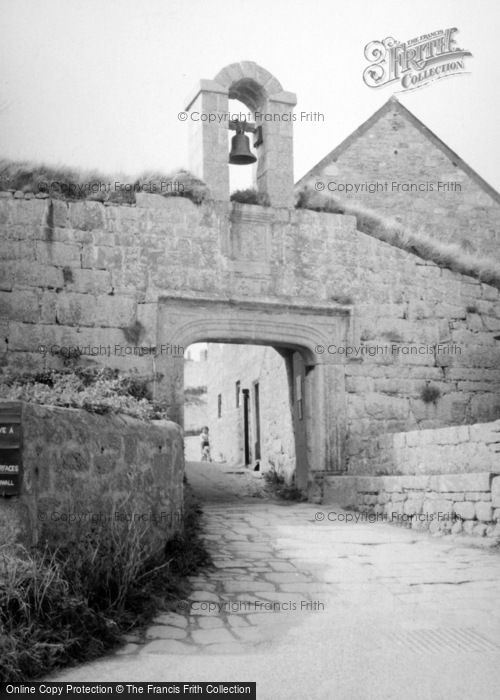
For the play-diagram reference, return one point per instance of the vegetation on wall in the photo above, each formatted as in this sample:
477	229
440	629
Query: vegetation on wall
430	393
277	485
448	255
250	196
134	332
102	390
193	395
63	182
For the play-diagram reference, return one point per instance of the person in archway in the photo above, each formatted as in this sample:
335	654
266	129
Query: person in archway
205	445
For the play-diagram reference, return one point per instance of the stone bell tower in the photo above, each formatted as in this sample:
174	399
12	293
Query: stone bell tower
271	108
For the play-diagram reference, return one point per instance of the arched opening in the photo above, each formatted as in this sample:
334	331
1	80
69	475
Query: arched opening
249	92
316	386
241	177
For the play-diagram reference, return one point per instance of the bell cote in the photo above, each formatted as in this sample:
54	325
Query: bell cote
270	131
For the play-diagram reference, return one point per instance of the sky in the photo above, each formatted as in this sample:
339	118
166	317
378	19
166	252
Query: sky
99	84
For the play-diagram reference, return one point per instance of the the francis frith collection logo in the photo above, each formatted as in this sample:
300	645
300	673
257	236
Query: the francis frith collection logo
416	62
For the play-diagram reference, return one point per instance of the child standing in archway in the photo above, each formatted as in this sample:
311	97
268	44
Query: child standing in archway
205	445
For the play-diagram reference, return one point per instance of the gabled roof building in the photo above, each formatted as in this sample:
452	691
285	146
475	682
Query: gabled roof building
397	166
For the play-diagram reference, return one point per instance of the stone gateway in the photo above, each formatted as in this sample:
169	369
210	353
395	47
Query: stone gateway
166	272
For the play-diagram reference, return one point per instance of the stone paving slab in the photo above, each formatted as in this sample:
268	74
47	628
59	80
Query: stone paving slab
171	619
262	585
166	646
165	632
212	636
370	601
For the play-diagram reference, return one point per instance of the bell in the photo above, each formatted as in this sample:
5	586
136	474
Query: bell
240	150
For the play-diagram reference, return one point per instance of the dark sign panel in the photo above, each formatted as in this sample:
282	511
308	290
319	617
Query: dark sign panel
10	449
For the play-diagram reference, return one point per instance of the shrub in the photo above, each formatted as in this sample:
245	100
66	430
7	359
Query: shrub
430	394
102	390
273	477
134	332
276	483
250	196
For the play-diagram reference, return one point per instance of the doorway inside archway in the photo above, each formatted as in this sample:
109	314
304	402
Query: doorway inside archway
252	400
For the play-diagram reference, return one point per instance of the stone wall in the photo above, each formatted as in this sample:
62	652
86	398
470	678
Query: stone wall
400	302
445	480
68	453
454	450
396	148
94	276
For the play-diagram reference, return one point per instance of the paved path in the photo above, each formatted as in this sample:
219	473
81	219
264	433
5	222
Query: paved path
324	609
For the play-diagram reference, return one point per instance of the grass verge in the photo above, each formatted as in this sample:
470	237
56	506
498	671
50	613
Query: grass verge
71	602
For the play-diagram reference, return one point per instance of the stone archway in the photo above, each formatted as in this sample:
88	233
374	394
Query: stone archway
182	322
248	82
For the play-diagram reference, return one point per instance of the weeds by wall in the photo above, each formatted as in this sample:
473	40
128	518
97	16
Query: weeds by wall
70	599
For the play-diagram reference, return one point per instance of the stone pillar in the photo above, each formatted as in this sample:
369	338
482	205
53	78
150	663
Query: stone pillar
275	154
208	140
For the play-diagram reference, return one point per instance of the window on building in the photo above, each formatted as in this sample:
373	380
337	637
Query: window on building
219	405
238	392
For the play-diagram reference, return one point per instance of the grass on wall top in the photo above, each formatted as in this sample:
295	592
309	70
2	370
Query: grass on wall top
63	182
447	255
250	196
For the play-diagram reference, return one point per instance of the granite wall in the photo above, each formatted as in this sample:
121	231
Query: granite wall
445	480
80	465
95	277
